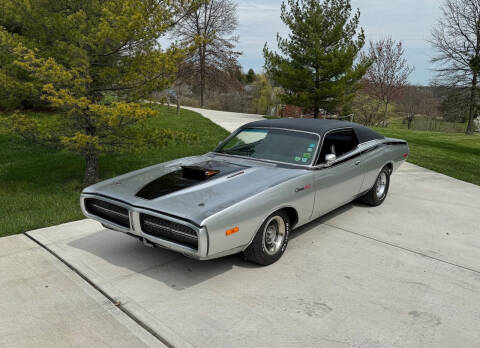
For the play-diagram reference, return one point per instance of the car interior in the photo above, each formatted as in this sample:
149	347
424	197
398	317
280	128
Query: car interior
338	143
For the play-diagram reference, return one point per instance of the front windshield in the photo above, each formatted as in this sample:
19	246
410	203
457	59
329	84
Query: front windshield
279	145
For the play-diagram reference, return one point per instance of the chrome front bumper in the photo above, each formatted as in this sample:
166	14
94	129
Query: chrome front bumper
136	230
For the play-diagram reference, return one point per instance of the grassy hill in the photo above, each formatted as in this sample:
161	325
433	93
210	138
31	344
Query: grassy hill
453	154
40	186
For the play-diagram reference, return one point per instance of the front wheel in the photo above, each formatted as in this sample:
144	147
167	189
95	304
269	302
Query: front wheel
270	241
379	191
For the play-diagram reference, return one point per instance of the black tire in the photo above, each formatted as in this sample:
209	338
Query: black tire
262	252
376	196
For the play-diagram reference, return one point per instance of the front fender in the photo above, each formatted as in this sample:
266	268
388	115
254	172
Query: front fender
249	214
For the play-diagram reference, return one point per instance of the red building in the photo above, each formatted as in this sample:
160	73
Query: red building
299	112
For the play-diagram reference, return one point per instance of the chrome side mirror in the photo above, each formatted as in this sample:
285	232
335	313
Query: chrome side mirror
329	159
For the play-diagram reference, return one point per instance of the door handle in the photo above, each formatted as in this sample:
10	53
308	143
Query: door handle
357	162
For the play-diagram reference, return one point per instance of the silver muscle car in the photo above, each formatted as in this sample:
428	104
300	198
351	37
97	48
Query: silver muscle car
265	179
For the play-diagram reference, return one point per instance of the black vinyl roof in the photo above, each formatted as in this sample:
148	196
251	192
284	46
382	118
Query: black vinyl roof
317	126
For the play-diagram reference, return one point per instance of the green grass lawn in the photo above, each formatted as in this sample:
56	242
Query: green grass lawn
453	154
40	186
424	123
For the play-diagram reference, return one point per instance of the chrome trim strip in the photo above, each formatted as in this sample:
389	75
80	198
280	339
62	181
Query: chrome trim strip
365	144
109	211
186	235
102	220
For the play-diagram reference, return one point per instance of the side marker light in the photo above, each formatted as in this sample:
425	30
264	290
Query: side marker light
232	231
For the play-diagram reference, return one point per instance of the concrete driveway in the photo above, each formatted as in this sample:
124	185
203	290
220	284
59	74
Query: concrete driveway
405	274
228	120
43	303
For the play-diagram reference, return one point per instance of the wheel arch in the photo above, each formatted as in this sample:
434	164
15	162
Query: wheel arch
389	165
291	213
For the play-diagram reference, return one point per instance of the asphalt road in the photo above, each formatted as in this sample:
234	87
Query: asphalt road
405	274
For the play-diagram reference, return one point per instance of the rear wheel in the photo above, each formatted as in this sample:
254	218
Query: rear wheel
270	241
379	191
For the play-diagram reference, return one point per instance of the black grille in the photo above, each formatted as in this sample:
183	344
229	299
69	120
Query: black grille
108	211
169	230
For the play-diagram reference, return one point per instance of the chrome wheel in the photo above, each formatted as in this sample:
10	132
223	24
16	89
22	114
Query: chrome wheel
274	235
381	184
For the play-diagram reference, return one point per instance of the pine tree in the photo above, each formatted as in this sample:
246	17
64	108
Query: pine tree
317	65
250	77
92	61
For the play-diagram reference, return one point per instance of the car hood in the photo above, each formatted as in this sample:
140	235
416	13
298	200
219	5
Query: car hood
164	188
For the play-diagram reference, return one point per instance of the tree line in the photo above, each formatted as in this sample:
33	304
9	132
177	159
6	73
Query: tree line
96	61
324	66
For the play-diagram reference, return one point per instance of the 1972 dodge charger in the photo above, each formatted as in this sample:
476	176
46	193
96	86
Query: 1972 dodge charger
265	179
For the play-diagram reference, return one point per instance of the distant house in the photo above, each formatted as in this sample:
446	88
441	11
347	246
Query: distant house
293	111
476	122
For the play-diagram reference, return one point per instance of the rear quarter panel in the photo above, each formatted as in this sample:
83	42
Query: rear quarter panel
389	151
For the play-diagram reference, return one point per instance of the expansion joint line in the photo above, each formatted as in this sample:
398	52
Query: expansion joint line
132	316
405	249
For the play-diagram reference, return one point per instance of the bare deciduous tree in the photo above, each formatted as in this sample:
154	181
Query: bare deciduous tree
454	105
456	37
389	72
419	100
411	102
368	110
210	30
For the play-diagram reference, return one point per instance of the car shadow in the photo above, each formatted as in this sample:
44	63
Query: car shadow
324	219
130	257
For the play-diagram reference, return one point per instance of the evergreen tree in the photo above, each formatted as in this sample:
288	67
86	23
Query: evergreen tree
91	60
250	77
317	65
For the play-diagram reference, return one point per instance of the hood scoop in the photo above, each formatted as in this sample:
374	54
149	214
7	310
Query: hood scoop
185	177
198	172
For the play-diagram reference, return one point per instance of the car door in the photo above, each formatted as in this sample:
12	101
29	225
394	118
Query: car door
338	182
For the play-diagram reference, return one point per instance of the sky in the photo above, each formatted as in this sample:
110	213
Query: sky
409	21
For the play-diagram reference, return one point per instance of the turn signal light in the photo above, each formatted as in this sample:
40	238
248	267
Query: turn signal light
232	231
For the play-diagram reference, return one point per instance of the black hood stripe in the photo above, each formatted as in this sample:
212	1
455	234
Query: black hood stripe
186	177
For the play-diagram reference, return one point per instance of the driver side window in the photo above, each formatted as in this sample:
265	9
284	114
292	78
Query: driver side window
338	143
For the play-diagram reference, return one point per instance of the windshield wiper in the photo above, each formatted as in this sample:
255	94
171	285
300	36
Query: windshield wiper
238	152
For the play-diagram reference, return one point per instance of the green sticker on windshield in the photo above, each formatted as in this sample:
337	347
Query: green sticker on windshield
307	155
297	159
